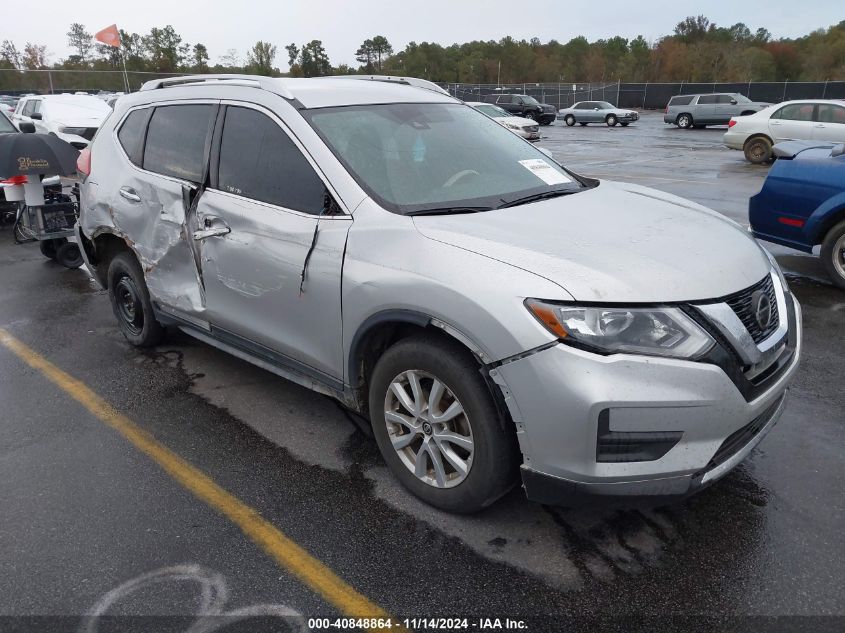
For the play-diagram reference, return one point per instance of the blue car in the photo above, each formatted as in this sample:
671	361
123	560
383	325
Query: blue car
802	202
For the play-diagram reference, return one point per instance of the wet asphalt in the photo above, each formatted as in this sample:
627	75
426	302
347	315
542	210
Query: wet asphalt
82	512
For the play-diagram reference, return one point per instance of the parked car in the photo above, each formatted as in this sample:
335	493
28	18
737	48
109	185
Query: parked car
470	311
526	128
806	119
73	118
8	103
802	202
688	111
524	106
585	112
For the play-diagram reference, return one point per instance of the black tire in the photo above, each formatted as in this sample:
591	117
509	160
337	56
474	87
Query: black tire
531	115
833	258
545	122
130	302
569	120
757	150
684	121
69	255
493	468
611	120
49	248
625	123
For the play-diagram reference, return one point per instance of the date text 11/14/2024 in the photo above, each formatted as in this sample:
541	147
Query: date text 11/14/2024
427	624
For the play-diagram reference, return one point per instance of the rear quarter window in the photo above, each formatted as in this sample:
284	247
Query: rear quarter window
131	135
176	141
683	100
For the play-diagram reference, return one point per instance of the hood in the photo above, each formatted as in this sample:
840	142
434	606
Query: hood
79	121
517	120
614	243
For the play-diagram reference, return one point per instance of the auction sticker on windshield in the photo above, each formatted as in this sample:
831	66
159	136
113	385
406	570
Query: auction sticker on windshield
544	171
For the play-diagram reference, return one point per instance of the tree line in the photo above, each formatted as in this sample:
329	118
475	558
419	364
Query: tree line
698	50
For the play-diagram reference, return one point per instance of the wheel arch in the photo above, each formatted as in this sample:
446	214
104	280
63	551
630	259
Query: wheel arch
105	244
829	218
757	135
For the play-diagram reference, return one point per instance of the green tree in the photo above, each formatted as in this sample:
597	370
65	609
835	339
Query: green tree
381	48
81	41
162	48
34	56
260	58
10	56
313	61
199	57
365	55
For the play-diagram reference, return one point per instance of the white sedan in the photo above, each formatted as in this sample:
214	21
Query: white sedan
803	120
73	118
526	128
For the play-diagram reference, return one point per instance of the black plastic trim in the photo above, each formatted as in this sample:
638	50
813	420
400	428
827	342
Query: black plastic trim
636	446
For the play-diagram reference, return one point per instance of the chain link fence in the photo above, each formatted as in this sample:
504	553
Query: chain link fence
17	82
649	96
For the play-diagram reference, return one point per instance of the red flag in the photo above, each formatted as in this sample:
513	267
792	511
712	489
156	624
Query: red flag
109	35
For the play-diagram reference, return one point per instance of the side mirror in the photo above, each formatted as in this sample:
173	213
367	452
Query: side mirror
35	116
27	127
733	101
596	109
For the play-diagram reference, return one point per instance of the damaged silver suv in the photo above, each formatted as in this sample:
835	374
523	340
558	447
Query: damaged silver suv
490	311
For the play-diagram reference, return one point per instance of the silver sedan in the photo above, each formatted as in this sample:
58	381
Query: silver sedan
585	112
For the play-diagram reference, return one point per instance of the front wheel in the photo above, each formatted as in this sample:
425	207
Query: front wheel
437	426
833	254
611	120
131	303
569	120
531	115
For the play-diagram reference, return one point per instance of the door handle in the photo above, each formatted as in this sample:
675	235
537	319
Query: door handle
819	125
130	194
214	227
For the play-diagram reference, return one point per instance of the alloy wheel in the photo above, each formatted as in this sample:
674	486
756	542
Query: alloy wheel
429	429
839	256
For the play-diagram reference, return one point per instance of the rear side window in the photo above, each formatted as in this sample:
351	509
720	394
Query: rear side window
506	99
795	112
725	99
176	141
682	100
705	99
131	135
29	107
258	160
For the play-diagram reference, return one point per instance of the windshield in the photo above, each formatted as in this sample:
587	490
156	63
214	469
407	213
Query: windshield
491	110
742	99
6	125
75	107
530	100
604	105
413	157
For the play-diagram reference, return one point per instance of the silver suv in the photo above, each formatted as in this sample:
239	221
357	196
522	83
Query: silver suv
688	111
490	311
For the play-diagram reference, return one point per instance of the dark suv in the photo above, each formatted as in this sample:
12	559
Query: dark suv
525	106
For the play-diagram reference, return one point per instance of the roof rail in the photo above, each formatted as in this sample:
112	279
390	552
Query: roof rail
252	81
409	81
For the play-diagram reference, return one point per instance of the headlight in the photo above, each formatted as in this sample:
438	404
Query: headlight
776	268
511	126
652	331
76	131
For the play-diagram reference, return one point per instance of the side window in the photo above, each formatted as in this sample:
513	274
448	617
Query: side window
258	160
28	107
829	113
683	100
176	141
795	112
131	135
707	99
725	99
505	99
519	100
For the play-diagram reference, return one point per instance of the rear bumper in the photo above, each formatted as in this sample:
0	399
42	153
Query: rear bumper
734	140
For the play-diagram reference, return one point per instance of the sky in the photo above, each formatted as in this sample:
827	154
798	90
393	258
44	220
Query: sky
342	26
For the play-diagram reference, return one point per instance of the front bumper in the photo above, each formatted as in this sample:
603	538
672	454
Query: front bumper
628	117
558	397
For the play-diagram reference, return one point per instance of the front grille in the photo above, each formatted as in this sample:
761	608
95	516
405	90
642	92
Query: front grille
548	108
741	303
738	439
89	133
533	128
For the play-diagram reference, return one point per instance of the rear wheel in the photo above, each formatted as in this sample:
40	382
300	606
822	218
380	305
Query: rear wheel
684	121
437	426
757	150
569	120
130	302
833	254
611	120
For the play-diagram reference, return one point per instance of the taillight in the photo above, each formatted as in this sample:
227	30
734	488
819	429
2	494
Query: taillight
731	123
666	111
83	163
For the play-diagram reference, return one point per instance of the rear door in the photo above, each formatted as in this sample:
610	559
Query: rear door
507	102
724	108
705	110
267	219
830	123
154	198
793	121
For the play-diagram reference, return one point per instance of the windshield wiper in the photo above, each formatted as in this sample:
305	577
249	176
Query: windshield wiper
539	196
448	210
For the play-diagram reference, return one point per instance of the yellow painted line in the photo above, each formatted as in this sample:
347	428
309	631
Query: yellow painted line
293	558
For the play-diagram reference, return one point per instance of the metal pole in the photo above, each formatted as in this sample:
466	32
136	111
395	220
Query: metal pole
645	94
618	85
50	77
783	98
824	91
